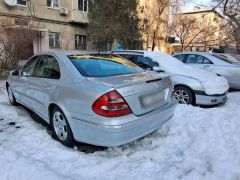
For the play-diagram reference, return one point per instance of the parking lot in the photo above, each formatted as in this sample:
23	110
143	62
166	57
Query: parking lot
197	143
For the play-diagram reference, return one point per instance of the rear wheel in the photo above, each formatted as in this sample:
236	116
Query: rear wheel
183	95
61	129
11	96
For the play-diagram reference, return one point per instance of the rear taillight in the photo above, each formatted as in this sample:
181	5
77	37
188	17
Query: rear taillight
111	104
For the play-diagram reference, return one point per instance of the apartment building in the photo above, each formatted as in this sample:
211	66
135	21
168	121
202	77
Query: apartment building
208	30
60	24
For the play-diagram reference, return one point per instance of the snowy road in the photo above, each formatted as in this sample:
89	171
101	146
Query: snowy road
196	144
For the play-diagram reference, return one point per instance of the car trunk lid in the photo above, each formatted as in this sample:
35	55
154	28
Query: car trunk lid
143	92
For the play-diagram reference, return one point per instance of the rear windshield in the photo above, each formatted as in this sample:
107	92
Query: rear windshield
226	59
103	65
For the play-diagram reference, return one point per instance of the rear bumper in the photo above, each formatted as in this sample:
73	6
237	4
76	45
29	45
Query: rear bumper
111	136
203	99
234	86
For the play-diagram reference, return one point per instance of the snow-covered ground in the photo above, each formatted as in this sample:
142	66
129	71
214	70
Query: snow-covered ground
196	144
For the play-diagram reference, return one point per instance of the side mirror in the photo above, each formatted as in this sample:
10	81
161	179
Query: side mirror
157	69
15	73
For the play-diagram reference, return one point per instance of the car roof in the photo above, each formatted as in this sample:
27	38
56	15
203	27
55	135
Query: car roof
129	51
69	52
200	53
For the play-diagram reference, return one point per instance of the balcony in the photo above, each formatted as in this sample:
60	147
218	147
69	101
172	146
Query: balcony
79	17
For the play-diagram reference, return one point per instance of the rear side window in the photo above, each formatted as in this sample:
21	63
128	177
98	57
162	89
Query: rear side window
30	67
48	67
99	66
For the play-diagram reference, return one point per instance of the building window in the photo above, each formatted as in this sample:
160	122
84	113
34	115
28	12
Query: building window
54	40
22	2
80	42
83	5
53	4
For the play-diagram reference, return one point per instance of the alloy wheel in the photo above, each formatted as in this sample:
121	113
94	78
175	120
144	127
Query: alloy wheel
60	126
182	96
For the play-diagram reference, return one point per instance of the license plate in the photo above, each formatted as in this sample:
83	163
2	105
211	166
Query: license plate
153	98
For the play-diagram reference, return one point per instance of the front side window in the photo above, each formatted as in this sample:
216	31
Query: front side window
22	2
192	59
29	68
53	4
80	42
54	40
103	65
83	5
180	57
48	67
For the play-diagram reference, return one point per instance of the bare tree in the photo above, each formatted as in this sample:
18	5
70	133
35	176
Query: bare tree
186	29
154	24
212	34
231	9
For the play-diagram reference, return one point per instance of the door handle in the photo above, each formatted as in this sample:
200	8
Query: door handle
47	88
206	66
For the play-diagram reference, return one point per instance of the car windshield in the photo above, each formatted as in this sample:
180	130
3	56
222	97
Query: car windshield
237	56
226	59
103	65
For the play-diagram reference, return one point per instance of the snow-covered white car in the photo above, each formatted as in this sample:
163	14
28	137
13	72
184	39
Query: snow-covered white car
191	85
210	62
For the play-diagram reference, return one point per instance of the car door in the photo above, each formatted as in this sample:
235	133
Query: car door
46	80
22	88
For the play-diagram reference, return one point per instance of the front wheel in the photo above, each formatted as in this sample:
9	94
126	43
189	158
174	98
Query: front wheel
61	129
183	95
11	96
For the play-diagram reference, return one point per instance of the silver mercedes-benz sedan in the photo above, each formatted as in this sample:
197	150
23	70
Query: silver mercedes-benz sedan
97	99
212	62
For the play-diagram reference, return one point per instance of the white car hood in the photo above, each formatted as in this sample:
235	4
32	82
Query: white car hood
212	83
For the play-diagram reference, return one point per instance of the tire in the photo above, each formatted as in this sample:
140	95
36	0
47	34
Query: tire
11	96
184	95
60	127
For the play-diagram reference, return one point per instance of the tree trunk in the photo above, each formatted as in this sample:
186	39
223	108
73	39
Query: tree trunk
153	41
182	47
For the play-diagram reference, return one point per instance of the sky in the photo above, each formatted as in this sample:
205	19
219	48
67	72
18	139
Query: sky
190	4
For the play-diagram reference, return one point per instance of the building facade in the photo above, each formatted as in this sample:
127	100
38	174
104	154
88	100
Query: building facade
59	24
206	32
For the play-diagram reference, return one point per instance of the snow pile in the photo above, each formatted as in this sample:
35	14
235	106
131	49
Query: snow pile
196	144
212	83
